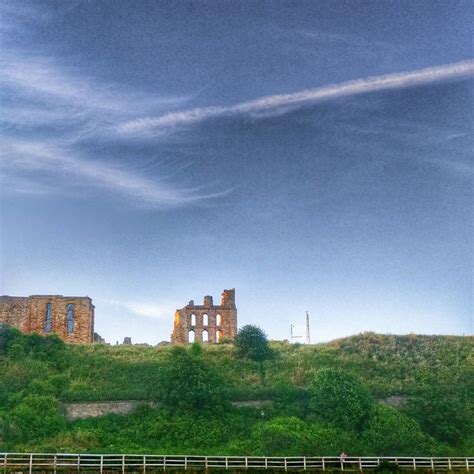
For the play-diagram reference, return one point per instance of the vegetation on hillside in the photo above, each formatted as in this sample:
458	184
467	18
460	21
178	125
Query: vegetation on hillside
326	397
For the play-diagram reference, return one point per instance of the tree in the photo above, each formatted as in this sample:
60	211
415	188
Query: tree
340	399
189	383
251	342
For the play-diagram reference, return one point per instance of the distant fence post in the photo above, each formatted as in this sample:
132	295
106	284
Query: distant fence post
31	463
144	464
101	463
304	463
432	464
360	464
55	461
323	464
467	463
5	463
449	464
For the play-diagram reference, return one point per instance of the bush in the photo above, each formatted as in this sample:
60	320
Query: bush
444	413
35	417
340	399
284	436
190	383
390	431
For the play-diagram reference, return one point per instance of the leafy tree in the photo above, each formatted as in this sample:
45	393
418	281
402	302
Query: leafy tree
190	383
340	399
251	342
390	431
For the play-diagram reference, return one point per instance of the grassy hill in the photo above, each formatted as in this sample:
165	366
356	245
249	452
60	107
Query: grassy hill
431	375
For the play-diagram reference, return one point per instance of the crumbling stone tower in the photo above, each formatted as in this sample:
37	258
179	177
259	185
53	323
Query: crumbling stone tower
207	322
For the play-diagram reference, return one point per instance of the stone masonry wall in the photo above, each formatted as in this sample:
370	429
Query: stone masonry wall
221	320
28	314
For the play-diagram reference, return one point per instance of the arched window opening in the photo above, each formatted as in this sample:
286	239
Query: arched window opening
70	318
205	336
48	319
193	320
218	335
205	320
218	320
191	336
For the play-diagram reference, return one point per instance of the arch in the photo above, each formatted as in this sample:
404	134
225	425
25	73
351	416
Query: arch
205	336
205	320
218	320
70	319
193	319
191	336
218	335
48	319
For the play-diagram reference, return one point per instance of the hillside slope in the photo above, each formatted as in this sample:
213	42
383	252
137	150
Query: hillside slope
431	376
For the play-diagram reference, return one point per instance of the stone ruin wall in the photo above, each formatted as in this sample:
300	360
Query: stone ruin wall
191	319
28	314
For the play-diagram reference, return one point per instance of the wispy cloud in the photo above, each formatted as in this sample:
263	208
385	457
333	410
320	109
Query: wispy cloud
40	156
48	99
280	103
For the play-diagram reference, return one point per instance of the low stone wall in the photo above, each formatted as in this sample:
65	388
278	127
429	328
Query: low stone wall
80	411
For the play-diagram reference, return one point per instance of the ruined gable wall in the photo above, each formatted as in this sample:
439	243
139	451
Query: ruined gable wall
227	310
28	314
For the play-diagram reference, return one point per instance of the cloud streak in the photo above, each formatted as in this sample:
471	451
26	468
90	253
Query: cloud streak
39	156
281	103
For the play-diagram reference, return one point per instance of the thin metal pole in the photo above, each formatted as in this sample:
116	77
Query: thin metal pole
31	463
414	464
55	462
432	464
164	463
101	463
324	464
467	464
286	467
360	464
144	464
304	463
123	463
449	464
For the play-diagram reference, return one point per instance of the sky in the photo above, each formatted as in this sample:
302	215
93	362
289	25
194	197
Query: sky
314	155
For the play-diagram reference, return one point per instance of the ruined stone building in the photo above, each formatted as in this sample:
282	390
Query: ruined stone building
70	317
207	322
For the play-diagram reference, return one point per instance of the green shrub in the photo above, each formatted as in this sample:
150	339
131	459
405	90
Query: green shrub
340	399
190	383
390	432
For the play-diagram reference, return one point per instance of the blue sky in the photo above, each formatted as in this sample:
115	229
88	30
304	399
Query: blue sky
313	155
